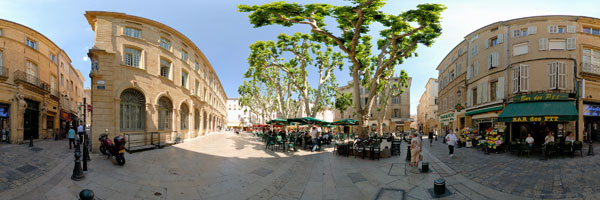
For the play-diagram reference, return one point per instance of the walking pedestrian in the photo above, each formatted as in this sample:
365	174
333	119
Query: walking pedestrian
80	132
71	136
415	150
451	141
430	138
313	135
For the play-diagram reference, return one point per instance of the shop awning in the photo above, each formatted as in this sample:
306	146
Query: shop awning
542	111
490	109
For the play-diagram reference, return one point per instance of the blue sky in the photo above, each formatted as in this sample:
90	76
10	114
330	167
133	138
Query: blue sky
224	34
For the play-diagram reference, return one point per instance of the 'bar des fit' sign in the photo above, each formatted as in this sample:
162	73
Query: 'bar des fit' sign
541	97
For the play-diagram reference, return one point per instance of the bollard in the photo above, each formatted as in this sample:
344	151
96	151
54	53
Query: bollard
77	171
86	154
590	149
30	141
424	167
86	194
439	186
408	153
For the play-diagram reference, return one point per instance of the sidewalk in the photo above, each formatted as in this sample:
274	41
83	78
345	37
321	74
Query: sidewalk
23	168
557	177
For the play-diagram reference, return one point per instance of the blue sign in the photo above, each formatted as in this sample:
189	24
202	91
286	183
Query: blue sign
3	111
591	110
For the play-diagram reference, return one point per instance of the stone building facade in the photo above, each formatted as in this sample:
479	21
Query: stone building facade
30	68
526	75
428	109
149	78
395	118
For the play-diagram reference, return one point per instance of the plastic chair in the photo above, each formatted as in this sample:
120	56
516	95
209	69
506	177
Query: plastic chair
292	143
567	148
359	149
524	148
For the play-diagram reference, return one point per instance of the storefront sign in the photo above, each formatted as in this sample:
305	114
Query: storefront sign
538	119
591	110
541	97
447	117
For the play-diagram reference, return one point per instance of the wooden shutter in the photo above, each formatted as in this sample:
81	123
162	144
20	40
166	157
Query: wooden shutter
515	79
543	44
495	60
469	67
469	98
484	95
458	69
551	75
500	88
532	30
479	93
475	68
487	43
571	29
571	43
562	75
524	81
500	38
489	60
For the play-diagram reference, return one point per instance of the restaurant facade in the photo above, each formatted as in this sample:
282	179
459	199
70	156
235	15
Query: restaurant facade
527	75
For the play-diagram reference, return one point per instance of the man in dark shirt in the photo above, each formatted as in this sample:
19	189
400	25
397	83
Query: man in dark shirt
430	137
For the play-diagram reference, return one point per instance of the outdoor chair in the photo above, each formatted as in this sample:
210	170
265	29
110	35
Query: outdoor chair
360	148
280	142
567	148
270	143
515	148
292	144
550	149
578	146
376	150
524	148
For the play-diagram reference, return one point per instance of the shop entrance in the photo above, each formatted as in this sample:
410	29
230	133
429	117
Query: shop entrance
592	128
31	120
4	116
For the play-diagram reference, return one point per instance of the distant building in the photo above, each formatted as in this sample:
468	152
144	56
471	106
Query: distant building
397	117
427	108
40	91
239	116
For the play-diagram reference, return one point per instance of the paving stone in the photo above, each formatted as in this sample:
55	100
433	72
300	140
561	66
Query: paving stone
356	177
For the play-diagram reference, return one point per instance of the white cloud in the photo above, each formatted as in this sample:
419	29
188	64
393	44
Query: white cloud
85	58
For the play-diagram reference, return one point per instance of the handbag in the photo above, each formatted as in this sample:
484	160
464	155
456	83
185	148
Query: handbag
421	157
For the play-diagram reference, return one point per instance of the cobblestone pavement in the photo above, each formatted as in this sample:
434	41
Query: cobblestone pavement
230	166
21	165
527	176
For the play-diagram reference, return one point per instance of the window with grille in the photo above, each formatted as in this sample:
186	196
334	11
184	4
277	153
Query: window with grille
133	57
132	110
165	68
184	112
165	44
165	110
396	100
132	32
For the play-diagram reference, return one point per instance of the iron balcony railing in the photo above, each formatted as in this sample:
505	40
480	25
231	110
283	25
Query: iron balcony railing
33	80
590	68
3	72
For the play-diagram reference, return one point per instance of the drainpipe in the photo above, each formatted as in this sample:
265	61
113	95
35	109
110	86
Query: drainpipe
58	93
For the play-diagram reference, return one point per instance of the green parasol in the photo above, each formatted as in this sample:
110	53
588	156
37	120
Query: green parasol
346	122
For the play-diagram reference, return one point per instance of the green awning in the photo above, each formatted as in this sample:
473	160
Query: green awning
541	111
346	122
490	109
277	122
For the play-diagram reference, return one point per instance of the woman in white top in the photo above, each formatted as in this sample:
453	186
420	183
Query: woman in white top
549	138
570	137
415	150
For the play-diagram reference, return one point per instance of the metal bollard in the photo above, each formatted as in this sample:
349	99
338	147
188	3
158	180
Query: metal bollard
590	149
30	141
77	171
408	153
424	167
439	186
86	194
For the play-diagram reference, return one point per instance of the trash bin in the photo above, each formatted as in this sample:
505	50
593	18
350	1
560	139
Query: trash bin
424	167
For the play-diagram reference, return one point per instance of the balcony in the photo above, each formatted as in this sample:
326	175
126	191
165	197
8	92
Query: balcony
3	73
590	68
32	82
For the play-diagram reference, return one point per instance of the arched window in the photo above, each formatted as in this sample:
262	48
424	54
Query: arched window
184	117
196	119
132	110
165	111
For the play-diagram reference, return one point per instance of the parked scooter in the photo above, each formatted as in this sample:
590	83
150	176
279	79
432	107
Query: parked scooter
116	149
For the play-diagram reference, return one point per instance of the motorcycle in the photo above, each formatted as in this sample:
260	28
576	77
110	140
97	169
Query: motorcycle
116	149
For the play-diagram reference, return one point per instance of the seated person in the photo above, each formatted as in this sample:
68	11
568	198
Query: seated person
529	140
549	138
570	138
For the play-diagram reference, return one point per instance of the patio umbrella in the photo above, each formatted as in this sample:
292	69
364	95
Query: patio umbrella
315	121
277	122
347	121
